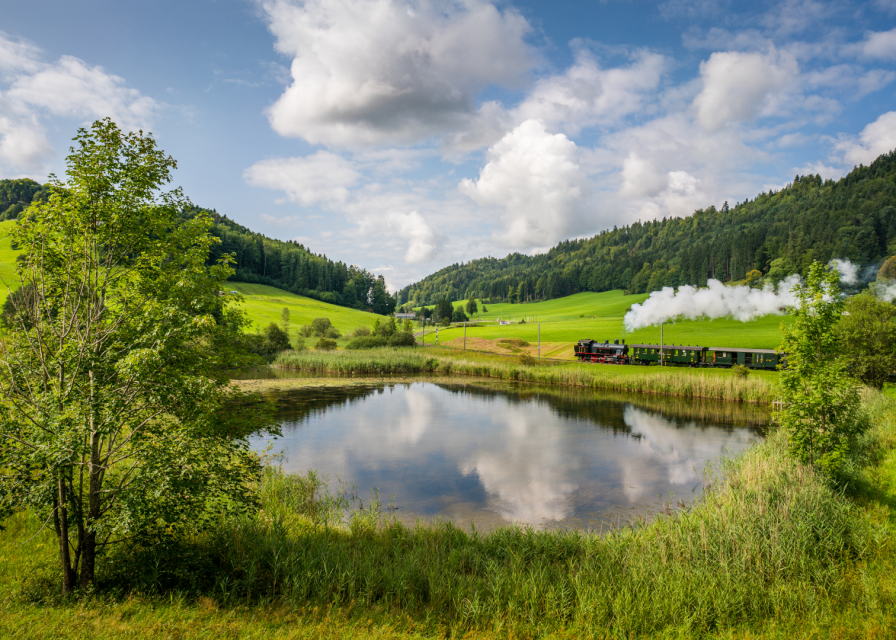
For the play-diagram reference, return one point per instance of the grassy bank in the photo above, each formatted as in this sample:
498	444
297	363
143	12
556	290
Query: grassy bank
771	550
688	383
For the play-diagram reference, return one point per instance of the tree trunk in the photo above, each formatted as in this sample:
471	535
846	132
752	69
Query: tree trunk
69	579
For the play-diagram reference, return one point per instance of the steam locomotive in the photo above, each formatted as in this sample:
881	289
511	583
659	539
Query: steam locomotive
691	356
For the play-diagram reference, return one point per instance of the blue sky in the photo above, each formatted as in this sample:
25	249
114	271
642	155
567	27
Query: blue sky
405	136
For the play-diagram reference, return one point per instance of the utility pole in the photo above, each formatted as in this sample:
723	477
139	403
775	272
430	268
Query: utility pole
662	348
465	336
539	340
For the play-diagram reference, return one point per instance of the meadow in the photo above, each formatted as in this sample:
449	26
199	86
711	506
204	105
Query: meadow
8	278
599	316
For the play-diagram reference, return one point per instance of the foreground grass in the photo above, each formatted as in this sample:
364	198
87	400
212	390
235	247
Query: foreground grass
770	551
689	383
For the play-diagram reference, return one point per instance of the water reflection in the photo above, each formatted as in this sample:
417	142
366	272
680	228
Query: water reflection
492	455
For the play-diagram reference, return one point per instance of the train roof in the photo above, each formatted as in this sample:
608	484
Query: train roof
668	346
733	350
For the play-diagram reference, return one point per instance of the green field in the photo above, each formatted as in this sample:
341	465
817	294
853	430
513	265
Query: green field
8	278
264	304
599	316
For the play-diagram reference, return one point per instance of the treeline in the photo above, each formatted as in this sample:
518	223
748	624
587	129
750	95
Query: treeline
776	234
16	195
291	266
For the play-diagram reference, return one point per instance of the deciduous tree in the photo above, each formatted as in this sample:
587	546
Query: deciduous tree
112	396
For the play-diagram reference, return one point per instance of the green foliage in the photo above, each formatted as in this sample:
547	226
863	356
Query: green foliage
333	333
306	331
867	331
888	269
777	233
132	431
18	308
361	331
740	370
822	416
385	329
402	339
367	342
527	360
284	320
298	344
319	326
407	326
472	307
16	195
458	315
325	344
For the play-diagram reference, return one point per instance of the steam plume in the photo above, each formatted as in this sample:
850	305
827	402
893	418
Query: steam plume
715	301
849	272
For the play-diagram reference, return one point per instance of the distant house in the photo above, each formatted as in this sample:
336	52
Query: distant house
405	316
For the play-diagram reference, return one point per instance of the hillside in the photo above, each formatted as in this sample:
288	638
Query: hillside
262	303
777	233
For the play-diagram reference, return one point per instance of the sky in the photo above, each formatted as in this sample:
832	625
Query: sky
406	136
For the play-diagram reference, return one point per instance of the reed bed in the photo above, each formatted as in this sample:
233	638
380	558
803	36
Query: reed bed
673	382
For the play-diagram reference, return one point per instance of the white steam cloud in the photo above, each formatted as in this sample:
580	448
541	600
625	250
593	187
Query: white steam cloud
884	290
849	272
715	301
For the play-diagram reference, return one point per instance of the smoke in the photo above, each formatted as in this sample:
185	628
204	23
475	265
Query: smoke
849	272
884	290
715	301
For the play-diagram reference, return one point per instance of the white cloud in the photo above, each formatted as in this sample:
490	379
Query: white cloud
877	45
322	177
423	241
371	71
68	88
641	177
875	139
586	94
740	86
535	177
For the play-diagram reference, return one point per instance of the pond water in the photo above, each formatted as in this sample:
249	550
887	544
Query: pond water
485	454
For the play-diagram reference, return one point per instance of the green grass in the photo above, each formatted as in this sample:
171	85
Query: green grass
561	325
264	304
771	550
8	277
689	383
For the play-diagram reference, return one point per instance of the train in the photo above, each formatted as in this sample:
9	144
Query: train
606	352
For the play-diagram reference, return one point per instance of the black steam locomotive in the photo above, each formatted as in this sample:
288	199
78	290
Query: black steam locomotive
692	356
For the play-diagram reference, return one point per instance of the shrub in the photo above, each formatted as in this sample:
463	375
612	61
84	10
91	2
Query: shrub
367	342
333	333
740	370
299	344
325	344
319	326
361	331
306	330
526	359
402	339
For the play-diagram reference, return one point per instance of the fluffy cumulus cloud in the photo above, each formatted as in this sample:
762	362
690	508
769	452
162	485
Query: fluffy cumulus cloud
373	71
321	177
70	88
535	178
876	138
877	45
739	86
587	94
423	241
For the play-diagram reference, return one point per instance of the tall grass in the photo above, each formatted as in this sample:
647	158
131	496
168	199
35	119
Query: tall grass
673	382
769	540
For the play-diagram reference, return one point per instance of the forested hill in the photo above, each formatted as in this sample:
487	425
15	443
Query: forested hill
287	265
778	233
290	265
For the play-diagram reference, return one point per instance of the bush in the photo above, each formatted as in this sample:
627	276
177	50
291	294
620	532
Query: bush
333	333
319	326
299	344
740	370
306	330
325	344
367	342
402	339
526	359
361	331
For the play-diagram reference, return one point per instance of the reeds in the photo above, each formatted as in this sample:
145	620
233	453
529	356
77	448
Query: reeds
674	382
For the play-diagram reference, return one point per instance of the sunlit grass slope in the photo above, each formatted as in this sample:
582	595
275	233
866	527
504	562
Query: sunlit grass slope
8	278
599	316
264	304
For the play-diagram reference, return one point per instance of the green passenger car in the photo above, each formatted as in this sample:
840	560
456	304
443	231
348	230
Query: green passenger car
752	358
672	354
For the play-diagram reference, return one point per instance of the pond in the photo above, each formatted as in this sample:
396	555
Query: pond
486	454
